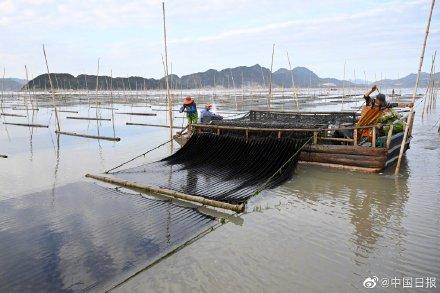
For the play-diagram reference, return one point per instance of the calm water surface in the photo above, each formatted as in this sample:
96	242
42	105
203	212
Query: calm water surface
325	230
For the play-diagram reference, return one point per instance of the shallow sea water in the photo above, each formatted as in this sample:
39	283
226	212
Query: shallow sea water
325	230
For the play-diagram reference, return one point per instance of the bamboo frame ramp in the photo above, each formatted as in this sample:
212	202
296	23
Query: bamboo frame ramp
169	193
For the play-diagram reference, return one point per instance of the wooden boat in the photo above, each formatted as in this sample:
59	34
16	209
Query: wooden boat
326	148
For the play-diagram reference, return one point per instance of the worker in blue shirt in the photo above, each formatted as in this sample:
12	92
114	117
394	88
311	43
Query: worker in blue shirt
207	116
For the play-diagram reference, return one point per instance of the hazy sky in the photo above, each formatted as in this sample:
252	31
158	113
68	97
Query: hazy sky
372	36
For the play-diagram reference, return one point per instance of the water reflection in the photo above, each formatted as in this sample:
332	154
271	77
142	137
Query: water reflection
371	203
90	238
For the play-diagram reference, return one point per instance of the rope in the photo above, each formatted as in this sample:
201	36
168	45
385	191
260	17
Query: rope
141	155
279	171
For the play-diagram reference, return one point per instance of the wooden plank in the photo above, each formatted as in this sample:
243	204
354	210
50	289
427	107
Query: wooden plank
346	149
336	139
168	192
350	160
87	118
210	126
27	125
343	167
88	136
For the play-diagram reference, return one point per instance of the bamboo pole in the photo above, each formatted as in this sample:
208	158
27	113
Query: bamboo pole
343	86
170	102
113	103
57	121
3	88
27	124
152	125
96	97
12	115
411	113
137	113
429	87
293	82
88	118
270	78
88	136
169	193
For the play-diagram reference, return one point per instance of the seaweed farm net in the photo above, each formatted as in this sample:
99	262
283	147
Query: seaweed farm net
285	120
83	236
221	167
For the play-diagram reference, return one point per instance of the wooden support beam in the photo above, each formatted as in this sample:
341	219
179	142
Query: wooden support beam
87	118
315	137
373	139
345	149
27	125
168	192
355	136
88	136
390	135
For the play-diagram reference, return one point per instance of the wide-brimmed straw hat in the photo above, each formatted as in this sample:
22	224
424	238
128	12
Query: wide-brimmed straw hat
188	100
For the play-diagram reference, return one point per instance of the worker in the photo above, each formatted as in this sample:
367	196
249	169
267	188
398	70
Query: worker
191	110
207	116
373	110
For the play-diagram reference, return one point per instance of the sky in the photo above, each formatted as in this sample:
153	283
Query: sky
381	38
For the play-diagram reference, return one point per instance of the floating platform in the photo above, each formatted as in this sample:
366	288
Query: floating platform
334	134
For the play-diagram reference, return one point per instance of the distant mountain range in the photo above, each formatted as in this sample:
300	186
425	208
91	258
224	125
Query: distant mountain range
12	84
228	78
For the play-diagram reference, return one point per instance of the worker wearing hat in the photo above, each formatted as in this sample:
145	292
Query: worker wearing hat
207	116
191	110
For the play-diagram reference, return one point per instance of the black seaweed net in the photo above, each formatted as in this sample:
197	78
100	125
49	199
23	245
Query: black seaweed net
283	120
222	167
